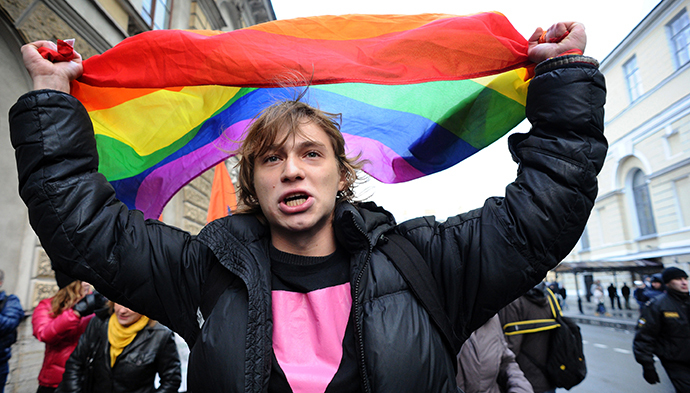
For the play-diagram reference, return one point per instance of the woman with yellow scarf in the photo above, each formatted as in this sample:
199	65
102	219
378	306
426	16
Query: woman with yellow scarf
122	352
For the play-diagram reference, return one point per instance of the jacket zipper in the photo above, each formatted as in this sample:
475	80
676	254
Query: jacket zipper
358	319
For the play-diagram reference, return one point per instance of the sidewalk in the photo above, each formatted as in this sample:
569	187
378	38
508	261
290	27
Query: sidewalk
619	319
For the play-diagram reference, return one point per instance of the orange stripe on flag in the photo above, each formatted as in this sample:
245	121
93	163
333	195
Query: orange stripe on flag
223	200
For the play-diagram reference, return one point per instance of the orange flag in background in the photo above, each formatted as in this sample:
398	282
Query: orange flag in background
223	200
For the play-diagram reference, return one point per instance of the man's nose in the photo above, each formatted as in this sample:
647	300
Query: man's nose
292	169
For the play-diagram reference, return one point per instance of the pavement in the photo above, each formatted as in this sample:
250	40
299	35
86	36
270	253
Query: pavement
615	318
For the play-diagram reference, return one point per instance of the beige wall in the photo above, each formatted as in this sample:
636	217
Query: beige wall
652	134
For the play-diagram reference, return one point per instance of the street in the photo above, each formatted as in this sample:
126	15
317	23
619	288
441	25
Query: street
611	366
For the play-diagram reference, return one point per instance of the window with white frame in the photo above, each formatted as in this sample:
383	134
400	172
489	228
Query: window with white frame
643	204
584	241
156	13
679	34
632	78
681	188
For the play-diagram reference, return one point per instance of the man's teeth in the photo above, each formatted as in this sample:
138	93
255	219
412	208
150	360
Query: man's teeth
295	200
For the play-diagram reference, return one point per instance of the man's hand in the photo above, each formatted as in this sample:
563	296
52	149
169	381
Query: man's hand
46	74
650	375
559	38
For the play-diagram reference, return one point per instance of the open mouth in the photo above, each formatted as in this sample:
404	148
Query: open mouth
296	200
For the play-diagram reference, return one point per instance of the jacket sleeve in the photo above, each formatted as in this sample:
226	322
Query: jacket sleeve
77	363
648	328
11	315
87	232
168	365
488	257
511	377
53	330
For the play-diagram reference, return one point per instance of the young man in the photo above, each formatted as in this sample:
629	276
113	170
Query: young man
663	330
312	304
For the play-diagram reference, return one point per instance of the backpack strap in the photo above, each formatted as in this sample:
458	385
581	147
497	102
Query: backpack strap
417	274
553	303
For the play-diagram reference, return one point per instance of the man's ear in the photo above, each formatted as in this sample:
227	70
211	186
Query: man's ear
342	184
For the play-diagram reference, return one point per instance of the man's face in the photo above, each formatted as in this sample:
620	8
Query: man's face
678	284
296	183
656	285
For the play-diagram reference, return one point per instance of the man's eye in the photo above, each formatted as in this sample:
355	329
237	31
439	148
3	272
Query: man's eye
313	154
271	159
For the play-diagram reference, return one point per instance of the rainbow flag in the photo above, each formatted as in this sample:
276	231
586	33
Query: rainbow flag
417	93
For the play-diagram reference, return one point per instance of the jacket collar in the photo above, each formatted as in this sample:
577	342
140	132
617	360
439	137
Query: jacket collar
360	225
357	226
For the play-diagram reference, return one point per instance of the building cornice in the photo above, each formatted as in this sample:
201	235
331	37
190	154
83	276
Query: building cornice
134	16
670	168
608	195
212	12
674	111
640	30
65	11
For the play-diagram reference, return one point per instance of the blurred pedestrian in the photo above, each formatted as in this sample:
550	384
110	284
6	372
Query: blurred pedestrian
487	365
655	288
613	294
663	330
11	313
598	294
121	352
625	291
58	322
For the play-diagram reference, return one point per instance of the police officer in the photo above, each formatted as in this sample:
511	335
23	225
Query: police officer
663	330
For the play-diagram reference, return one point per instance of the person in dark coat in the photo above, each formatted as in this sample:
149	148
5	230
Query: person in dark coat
11	313
121	352
646	293
664	330
613	294
300	251
625	291
530	349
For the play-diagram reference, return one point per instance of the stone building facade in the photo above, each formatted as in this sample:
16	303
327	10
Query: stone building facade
97	26
642	212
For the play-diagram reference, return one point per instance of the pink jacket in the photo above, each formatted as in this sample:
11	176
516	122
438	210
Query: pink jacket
61	335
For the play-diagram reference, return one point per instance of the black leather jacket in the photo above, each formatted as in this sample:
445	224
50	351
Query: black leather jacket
482	259
152	351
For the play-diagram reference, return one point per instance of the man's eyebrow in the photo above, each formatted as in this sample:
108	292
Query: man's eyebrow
310	143
301	145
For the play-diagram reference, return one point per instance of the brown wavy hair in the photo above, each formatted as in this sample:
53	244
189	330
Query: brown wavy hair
263	135
65	298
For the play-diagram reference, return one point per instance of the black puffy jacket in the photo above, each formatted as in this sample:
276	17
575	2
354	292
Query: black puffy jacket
664	330
152	351
482	260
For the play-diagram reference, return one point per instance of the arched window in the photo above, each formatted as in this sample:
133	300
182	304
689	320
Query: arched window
643	204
